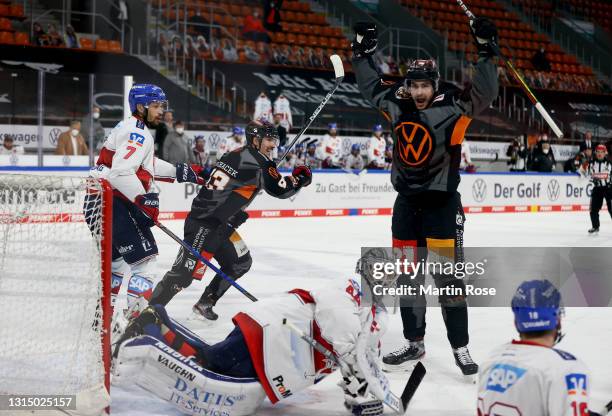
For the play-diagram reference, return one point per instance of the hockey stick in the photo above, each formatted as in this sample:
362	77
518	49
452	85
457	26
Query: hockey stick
397	404
510	65
193	251
339	72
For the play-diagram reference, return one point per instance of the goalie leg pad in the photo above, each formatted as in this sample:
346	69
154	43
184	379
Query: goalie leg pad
194	390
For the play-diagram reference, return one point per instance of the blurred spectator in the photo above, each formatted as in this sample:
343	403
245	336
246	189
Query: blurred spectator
253	28
314	59
263	49
39	37
263	108
232	142
70	38
200	26
190	47
98	130
71	142
251	54
581	159
229	51
203	47
162	131
354	159
176	45
177	145
272	15
381	63
376	149
466	164
517	154
282	131
300	154
282	108
310	158
331	147
539	60
199	155
9	148
543	157
587	142
279	55
289	161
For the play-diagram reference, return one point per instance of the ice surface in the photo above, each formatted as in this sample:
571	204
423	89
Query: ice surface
309	252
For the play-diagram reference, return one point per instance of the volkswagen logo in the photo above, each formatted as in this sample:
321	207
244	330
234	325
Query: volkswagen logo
54	135
479	190
552	190
214	140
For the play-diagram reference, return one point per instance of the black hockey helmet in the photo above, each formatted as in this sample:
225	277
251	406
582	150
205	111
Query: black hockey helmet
260	129
423	69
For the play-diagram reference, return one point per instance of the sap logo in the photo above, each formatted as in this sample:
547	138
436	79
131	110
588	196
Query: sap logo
576	383
503	376
116	281
126	249
136	138
139	284
285	392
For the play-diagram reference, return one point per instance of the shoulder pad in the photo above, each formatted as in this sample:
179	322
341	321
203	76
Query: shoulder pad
565	355
140	124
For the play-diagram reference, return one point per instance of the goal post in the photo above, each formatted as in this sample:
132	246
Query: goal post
55	278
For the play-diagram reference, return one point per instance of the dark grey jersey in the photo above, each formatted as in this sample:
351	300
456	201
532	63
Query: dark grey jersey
427	143
235	181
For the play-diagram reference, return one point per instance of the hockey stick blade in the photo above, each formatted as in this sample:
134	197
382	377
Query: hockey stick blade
339	74
413	384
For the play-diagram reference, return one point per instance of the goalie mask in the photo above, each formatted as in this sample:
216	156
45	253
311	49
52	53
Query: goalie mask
377	270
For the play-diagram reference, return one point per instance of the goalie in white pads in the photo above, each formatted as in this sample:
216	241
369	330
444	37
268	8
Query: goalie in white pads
126	160
261	357
529	376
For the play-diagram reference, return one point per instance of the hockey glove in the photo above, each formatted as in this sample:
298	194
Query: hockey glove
484	32
303	174
238	219
365	40
364	406
149	209
190	173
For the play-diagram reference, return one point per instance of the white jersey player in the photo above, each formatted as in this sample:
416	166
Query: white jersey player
529	376
263	108
330	150
262	357
376	149
233	142
283	108
354	159
127	162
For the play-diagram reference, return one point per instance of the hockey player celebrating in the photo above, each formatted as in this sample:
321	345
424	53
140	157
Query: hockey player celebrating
330	149
126	160
263	357
376	149
429	123
529	376
219	208
599	169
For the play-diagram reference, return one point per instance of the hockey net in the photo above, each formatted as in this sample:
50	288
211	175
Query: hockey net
55	288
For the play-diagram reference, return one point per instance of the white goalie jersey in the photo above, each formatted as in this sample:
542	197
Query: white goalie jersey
523	378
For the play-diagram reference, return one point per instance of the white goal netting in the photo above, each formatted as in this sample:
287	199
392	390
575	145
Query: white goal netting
51	288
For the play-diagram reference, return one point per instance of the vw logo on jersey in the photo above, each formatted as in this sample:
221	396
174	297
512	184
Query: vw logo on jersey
414	144
503	376
552	190
479	190
54	135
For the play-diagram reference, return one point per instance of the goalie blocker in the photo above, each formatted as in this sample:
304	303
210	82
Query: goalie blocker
233	377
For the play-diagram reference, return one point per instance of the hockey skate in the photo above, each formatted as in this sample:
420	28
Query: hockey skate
593	230
465	363
204	311
405	357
